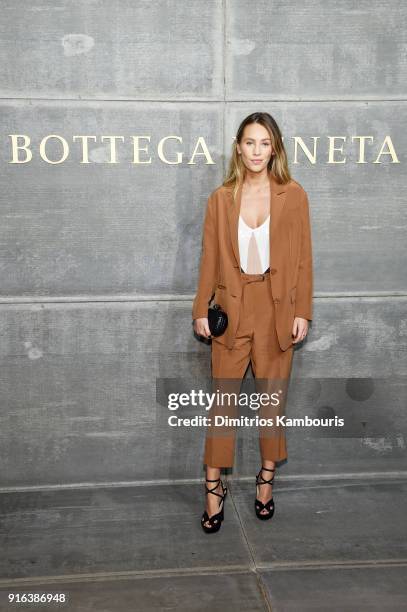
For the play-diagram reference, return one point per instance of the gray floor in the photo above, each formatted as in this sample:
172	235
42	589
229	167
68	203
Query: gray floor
331	545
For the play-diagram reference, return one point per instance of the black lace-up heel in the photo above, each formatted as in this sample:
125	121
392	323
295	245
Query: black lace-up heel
259	506
215	520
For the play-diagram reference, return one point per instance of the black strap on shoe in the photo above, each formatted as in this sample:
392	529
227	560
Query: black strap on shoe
270	504
218	480
215	518
260	475
267	506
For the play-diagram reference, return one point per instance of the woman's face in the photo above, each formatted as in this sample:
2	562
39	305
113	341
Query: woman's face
255	147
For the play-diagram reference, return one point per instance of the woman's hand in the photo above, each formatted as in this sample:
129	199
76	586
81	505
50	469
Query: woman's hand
300	329
201	327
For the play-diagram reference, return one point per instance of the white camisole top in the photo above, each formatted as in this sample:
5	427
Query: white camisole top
254	249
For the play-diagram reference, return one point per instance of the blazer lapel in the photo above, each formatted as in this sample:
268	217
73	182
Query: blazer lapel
277	200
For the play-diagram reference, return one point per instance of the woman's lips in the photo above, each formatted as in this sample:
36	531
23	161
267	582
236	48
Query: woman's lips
256	161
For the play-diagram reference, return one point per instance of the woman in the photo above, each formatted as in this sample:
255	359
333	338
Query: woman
257	264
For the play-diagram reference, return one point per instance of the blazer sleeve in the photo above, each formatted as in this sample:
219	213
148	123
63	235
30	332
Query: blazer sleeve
303	303
209	263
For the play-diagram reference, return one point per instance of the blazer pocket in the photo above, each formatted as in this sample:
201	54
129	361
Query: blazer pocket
293	294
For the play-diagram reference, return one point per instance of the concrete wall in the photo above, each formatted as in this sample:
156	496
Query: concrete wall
99	261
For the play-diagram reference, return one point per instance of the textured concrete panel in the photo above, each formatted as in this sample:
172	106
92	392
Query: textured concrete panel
111	50
94	546
358	212
317	49
373	435
105	228
122	228
194	593
327	521
365	589
78	392
144	528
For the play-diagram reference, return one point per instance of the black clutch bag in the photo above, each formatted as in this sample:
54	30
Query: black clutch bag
217	320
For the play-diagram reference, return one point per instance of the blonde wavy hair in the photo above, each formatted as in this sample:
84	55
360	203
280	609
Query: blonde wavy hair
278	163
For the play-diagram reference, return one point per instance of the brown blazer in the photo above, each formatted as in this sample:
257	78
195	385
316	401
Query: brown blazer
291	275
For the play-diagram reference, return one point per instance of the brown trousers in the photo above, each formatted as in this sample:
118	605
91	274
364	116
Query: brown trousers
256	342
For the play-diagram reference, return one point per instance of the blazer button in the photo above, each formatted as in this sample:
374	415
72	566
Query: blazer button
273	270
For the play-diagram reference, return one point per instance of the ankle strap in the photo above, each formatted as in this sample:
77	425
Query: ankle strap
213	490
267	469
260	477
